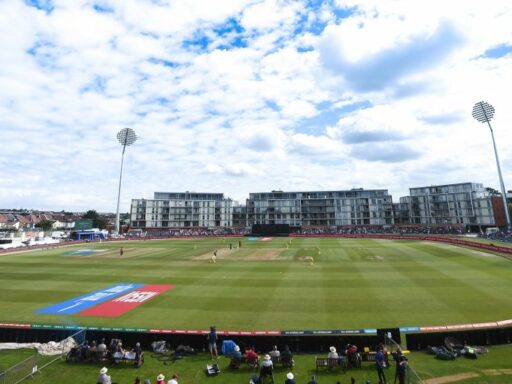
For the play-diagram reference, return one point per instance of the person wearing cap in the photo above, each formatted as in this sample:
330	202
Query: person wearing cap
236	358
212	342
103	378
160	379
267	368
289	378
174	380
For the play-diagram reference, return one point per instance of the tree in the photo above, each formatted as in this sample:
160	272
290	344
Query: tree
45	225
492	191
98	221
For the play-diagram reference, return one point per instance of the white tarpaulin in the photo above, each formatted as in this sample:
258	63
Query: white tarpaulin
51	348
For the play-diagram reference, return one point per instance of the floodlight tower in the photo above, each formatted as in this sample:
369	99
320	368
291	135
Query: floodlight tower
126	137
484	112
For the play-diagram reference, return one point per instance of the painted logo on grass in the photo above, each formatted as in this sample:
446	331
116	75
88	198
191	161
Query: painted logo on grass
120	305
70	307
84	251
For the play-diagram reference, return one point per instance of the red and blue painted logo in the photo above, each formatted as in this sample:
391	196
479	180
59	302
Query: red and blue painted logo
112	301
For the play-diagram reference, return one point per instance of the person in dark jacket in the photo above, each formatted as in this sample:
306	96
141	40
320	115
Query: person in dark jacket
380	364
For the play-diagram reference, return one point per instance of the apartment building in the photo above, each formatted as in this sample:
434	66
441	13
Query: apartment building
463	203
182	210
321	208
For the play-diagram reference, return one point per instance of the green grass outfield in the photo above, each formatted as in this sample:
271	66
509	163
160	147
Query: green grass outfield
494	367
267	285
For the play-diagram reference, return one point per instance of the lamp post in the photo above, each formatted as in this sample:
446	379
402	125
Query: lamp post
126	137
484	112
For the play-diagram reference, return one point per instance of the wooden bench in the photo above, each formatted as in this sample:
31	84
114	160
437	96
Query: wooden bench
370	356
287	362
329	363
236	362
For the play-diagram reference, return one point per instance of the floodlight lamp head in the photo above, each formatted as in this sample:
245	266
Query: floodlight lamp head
126	137
483	112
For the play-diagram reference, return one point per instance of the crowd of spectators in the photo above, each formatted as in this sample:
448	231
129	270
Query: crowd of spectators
263	368
385	229
339	230
501	236
99	352
191	232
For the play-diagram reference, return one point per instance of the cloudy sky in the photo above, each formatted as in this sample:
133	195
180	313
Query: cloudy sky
240	96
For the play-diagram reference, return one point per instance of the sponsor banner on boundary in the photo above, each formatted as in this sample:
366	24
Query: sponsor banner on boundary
220	333
120	305
70	307
459	327
498	324
329	332
14	325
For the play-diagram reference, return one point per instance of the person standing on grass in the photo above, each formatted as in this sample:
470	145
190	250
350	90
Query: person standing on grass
401	368
380	364
174	380
212	342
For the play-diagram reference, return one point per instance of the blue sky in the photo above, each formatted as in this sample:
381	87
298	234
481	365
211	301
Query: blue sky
250	95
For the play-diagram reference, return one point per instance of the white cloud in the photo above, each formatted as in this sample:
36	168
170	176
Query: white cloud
238	97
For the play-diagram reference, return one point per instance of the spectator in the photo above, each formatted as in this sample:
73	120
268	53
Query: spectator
84	350
251	357
289	378
287	357
160	379
103	378
236	358
138	354
267	368
332	353
102	348
212	342
174	380
137	380
401	368
380	364
274	353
